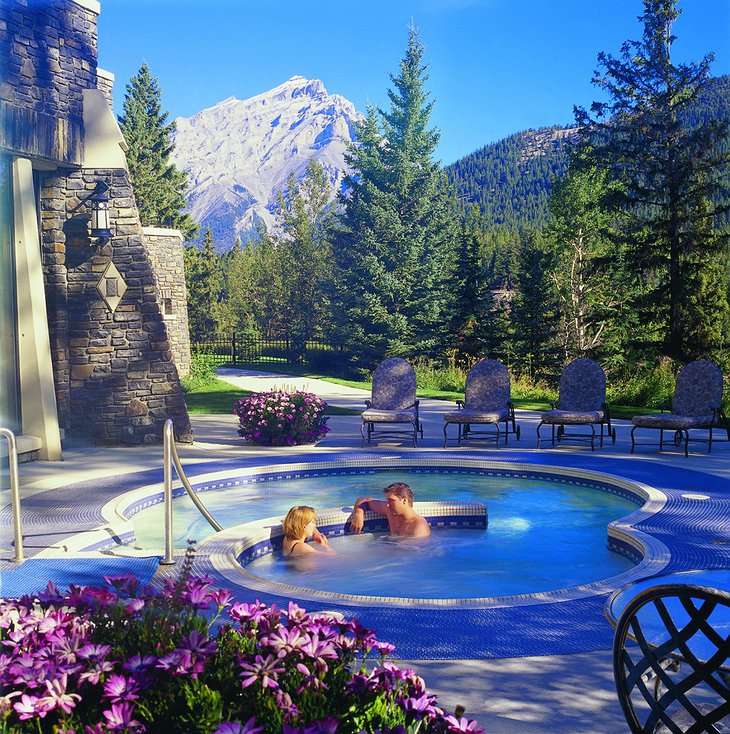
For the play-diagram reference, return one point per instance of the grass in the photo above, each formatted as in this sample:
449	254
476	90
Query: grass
219	396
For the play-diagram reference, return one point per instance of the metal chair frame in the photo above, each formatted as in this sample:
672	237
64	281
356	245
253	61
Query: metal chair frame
467	433
662	676
368	430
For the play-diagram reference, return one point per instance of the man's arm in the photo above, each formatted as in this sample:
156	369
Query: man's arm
358	511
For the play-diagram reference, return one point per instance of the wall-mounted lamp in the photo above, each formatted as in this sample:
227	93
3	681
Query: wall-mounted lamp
100	223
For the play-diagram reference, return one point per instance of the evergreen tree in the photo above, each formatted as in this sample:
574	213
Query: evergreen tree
203	281
668	174
474	301
304	249
534	309
582	275
394	252
159	187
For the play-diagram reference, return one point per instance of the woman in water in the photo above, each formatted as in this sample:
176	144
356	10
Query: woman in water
298	528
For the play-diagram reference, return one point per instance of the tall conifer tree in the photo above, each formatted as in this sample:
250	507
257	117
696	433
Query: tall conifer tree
393	254
159	187
667	171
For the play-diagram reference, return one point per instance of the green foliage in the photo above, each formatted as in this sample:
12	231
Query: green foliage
203	279
202	371
392	255
511	181
159	187
667	175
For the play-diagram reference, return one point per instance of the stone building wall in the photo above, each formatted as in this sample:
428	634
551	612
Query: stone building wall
116	379
165	247
113	368
48	53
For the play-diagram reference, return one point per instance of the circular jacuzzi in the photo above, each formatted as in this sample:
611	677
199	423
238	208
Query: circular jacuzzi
577	522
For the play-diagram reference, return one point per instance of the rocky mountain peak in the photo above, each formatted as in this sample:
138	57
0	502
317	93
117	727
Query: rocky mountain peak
239	153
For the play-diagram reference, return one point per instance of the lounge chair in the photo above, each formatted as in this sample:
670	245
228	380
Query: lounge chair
486	402
581	402
392	411
696	405
671	660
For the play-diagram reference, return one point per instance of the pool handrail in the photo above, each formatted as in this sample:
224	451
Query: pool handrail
170	458
14	492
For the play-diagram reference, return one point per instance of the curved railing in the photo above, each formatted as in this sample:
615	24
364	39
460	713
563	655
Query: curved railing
14	492
171	458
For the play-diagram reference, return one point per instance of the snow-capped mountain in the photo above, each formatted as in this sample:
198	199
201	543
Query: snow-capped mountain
239	153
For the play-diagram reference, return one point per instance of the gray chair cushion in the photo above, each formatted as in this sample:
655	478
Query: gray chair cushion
671	421
582	387
394	385
476	416
571	417
388	416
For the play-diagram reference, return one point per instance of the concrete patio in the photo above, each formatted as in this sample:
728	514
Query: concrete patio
566	694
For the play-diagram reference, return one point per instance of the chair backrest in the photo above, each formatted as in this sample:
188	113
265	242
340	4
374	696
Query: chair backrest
671	659
487	386
698	389
582	386
394	385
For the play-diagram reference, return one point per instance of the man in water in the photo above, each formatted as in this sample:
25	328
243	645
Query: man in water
397	507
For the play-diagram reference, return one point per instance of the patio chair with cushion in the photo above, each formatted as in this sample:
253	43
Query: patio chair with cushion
697	404
671	660
392	411
486	402
581	402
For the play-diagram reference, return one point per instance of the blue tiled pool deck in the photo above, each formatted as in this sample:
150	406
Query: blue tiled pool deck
692	527
470	656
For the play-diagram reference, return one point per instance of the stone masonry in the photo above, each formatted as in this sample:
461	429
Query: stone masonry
165	247
115	374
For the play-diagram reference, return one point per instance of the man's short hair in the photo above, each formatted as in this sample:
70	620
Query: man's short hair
401	490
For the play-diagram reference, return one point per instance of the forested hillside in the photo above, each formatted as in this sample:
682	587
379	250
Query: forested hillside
510	181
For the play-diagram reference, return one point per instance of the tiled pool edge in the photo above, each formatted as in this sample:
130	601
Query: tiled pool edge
651	554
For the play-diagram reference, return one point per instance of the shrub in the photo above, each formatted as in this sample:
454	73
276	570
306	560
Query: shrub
431	376
126	660
281	418
202	371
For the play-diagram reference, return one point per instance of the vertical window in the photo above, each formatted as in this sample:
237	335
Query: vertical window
9	386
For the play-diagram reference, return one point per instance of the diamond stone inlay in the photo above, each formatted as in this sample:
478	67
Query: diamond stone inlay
111	286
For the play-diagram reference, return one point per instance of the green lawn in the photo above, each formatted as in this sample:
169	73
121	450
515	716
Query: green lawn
219	396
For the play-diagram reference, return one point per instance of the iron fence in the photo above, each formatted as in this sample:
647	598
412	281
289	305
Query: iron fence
237	350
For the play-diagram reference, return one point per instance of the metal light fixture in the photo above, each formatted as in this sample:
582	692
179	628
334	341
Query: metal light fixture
100	223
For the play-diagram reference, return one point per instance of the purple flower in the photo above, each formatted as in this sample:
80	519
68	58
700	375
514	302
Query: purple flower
124	584
262	669
463	725
119	688
57	696
235	727
419	707
119	716
31	706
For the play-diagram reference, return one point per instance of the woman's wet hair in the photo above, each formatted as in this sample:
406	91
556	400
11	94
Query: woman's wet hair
297	519
400	490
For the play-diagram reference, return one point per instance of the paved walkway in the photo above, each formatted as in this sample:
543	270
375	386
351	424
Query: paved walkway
565	694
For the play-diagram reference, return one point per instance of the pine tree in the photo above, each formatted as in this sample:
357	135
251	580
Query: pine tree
304	249
159	187
394	252
585	281
203	281
668	173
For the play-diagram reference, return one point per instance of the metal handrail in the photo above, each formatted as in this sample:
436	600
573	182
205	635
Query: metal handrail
14	492
171	458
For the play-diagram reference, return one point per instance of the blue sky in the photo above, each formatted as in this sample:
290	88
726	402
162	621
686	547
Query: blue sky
496	66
